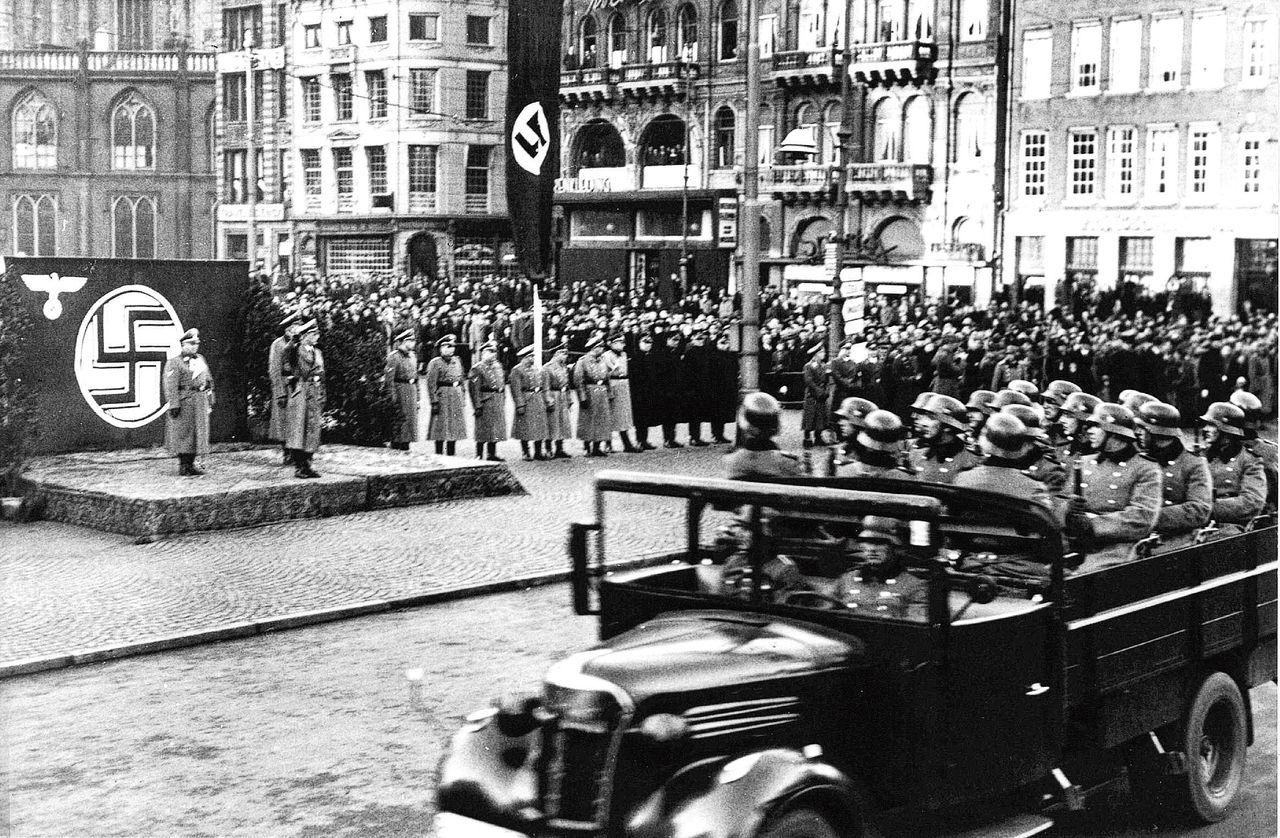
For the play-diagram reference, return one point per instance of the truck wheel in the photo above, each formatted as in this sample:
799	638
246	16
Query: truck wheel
799	823
1213	739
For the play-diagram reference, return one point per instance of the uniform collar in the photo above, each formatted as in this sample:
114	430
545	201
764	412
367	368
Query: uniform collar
1125	453
1167	454
944	449
1224	449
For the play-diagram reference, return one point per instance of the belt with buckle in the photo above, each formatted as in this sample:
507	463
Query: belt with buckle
406	381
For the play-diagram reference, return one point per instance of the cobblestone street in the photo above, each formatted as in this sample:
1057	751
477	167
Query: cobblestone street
71	591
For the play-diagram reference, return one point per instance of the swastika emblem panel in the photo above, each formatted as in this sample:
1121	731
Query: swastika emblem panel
120	353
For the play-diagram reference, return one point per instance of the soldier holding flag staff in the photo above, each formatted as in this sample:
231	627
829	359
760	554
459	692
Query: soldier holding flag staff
188	387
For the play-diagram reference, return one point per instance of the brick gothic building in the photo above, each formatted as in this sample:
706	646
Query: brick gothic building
109	147
653	98
1144	151
388	145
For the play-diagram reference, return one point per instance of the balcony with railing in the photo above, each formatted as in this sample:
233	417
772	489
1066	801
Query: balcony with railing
798	183
971	252
804	69
888	183
114	63
662	80
586	85
894	63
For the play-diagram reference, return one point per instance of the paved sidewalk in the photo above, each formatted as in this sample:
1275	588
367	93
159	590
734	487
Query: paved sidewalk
72	595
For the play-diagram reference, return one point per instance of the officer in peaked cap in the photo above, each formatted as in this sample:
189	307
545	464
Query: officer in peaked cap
188	388
1239	482
488	401
1121	490
591	381
445	383
400	380
816	415
620	413
529	424
304	374
556	387
1186	481
1263	449
275	374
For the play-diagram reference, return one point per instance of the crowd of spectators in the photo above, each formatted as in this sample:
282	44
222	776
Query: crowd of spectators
1180	353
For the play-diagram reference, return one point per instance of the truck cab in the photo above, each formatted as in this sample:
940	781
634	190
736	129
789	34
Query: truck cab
788	676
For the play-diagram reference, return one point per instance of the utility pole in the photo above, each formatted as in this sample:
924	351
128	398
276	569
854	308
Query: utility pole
250	147
749	217
852	98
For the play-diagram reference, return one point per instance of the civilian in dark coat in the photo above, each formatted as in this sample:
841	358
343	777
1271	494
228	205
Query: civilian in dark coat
646	396
696	364
724	383
669	387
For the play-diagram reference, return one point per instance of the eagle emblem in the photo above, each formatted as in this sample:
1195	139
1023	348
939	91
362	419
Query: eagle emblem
53	285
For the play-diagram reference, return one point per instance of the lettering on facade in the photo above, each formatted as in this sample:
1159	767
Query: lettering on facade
603	4
583	184
728	229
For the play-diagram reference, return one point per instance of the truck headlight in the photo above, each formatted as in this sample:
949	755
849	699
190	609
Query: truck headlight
664	727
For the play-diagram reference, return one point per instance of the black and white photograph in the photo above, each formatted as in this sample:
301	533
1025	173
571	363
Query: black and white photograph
639	418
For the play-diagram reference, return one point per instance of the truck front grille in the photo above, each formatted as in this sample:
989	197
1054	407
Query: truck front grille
580	751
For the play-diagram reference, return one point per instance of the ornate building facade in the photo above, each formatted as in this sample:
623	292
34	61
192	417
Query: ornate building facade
653	102
1144	142
387	151
109	149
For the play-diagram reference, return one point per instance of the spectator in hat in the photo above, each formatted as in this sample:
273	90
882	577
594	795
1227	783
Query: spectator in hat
816	415
696	375
948	369
488	385
723	396
275	375
620	416
188	388
400	379
556	386
529	424
445	382
591	380
305	380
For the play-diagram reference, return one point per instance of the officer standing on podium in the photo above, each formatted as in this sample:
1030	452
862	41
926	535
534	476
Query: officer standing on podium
400	377
304	379
275	373
445	380
188	387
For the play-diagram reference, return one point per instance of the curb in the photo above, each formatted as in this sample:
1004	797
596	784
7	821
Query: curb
299	619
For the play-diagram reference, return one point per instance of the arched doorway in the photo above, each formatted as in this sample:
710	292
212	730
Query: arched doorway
423	258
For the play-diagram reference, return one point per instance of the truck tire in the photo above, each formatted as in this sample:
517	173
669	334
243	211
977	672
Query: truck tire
1214	739
799	823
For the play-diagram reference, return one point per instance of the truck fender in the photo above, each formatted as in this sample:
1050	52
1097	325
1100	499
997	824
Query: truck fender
731	797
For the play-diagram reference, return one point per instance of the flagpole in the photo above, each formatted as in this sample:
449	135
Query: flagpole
749	287
537	326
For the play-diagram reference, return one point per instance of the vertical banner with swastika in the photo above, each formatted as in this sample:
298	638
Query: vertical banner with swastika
102	330
533	128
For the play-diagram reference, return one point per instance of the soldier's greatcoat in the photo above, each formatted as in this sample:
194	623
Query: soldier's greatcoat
304	379
1265	451
445	381
188	386
488	383
591	380
1239	485
530	420
555	392
400	378
1188	493
1126	496
619	390
275	373
816	415
943	463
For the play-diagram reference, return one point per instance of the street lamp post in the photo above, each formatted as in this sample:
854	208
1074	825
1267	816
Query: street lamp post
749	376
250	149
852	101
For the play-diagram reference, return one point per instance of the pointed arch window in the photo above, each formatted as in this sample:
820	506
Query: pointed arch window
657	34
617	41
35	133
133	225
35	225
133	135
588	46
728	30
688	25
725	139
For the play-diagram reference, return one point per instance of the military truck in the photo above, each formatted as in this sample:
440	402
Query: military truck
969	681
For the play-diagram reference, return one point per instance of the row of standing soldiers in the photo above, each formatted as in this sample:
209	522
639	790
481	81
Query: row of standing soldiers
614	390
1116	473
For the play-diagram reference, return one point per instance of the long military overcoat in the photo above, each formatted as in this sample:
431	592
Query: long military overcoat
445	381
188	386
530	419
591	380
400	378
555	394
488	400
304	377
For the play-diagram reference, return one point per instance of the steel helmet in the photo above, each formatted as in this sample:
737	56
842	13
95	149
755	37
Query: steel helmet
981	400
1114	419
1007	397
1136	399
760	413
1252	407
1005	436
882	431
1160	419
1030	415
1026	388
1124	394
919	403
1226	417
1057	391
951	412
1080	405
855	410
